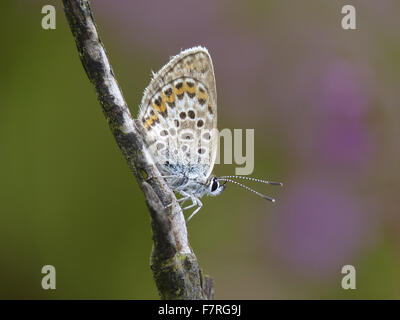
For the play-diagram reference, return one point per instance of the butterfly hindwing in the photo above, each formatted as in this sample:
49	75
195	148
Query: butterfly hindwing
178	114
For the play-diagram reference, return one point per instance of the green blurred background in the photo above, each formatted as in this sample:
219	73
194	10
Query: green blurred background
324	103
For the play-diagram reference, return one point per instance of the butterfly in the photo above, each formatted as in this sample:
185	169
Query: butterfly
178	120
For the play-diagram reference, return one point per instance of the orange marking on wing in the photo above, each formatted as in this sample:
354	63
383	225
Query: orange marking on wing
150	121
179	91
188	89
169	99
147	124
162	107
202	95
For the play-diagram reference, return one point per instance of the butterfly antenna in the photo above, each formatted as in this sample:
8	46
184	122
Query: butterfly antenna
247	188
254	179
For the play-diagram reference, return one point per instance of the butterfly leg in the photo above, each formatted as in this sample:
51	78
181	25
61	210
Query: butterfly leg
183	200
200	205
194	203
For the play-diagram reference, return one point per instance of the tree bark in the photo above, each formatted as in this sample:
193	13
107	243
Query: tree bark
174	264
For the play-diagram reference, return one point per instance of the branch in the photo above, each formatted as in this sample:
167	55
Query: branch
174	265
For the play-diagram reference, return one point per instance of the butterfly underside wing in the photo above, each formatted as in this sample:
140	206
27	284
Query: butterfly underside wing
178	116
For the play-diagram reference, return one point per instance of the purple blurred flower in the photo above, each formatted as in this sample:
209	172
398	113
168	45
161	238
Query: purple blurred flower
319	229
342	138
342	92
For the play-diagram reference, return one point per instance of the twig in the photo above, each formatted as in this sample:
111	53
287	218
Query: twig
174	265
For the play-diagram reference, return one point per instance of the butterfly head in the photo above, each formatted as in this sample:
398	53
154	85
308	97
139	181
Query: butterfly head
214	186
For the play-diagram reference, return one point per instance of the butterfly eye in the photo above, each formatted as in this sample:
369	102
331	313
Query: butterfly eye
214	185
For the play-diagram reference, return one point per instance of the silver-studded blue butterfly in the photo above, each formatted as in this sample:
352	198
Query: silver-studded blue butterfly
178	119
